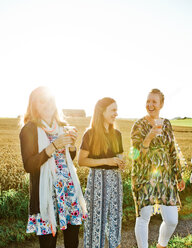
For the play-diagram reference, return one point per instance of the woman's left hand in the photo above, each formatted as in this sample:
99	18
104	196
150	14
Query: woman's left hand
122	165
73	134
121	162
181	185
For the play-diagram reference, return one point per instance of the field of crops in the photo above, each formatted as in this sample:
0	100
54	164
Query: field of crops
14	180
10	159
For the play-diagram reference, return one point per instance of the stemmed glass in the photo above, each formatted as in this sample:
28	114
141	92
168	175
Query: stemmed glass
159	124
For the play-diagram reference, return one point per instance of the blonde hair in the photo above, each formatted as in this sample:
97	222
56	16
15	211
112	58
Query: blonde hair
158	92
32	114
98	141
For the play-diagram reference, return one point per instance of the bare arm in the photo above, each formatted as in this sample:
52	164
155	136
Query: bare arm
151	135
32	158
84	160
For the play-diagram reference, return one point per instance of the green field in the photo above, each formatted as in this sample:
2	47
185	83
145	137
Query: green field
182	123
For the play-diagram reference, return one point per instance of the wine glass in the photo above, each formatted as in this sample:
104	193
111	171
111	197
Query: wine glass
159	124
69	129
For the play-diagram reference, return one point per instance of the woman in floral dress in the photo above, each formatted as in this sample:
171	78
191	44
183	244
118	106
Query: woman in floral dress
101	151
46	146
156	172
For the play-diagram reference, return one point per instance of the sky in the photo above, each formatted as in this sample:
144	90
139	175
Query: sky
86	50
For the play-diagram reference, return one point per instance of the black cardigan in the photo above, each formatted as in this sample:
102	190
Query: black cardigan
32	161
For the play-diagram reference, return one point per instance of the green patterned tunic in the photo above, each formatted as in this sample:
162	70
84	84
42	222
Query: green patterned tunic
155	174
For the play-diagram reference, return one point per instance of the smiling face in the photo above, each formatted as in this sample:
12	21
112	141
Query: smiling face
45	105
110	113
153	105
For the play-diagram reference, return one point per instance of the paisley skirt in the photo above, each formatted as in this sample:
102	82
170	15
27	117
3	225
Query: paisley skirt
104	205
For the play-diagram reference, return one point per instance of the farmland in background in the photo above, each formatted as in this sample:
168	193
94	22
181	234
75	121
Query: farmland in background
182	122
11	168
14	181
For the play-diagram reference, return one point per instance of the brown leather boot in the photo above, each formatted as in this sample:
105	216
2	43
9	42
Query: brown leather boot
159	246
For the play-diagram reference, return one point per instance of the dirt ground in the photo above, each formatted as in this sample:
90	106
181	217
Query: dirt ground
128	238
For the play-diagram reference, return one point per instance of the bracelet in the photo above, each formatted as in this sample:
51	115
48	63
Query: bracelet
144	147
54	145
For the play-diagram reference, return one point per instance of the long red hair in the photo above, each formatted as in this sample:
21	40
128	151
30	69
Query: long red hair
98	141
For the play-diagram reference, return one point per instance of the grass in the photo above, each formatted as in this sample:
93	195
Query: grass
13	230
13	203
186	199
182	123
178	242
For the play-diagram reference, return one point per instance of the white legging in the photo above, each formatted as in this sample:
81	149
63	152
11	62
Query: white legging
170	219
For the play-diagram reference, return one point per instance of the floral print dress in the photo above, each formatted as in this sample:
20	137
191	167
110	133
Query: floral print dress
66	205
155	175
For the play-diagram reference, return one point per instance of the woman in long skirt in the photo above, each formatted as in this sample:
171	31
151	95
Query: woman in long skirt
101	151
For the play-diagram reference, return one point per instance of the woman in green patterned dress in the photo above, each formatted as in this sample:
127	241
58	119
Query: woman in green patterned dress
156	172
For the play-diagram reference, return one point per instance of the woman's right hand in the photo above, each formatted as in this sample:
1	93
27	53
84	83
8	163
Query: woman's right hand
63	140
155	131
